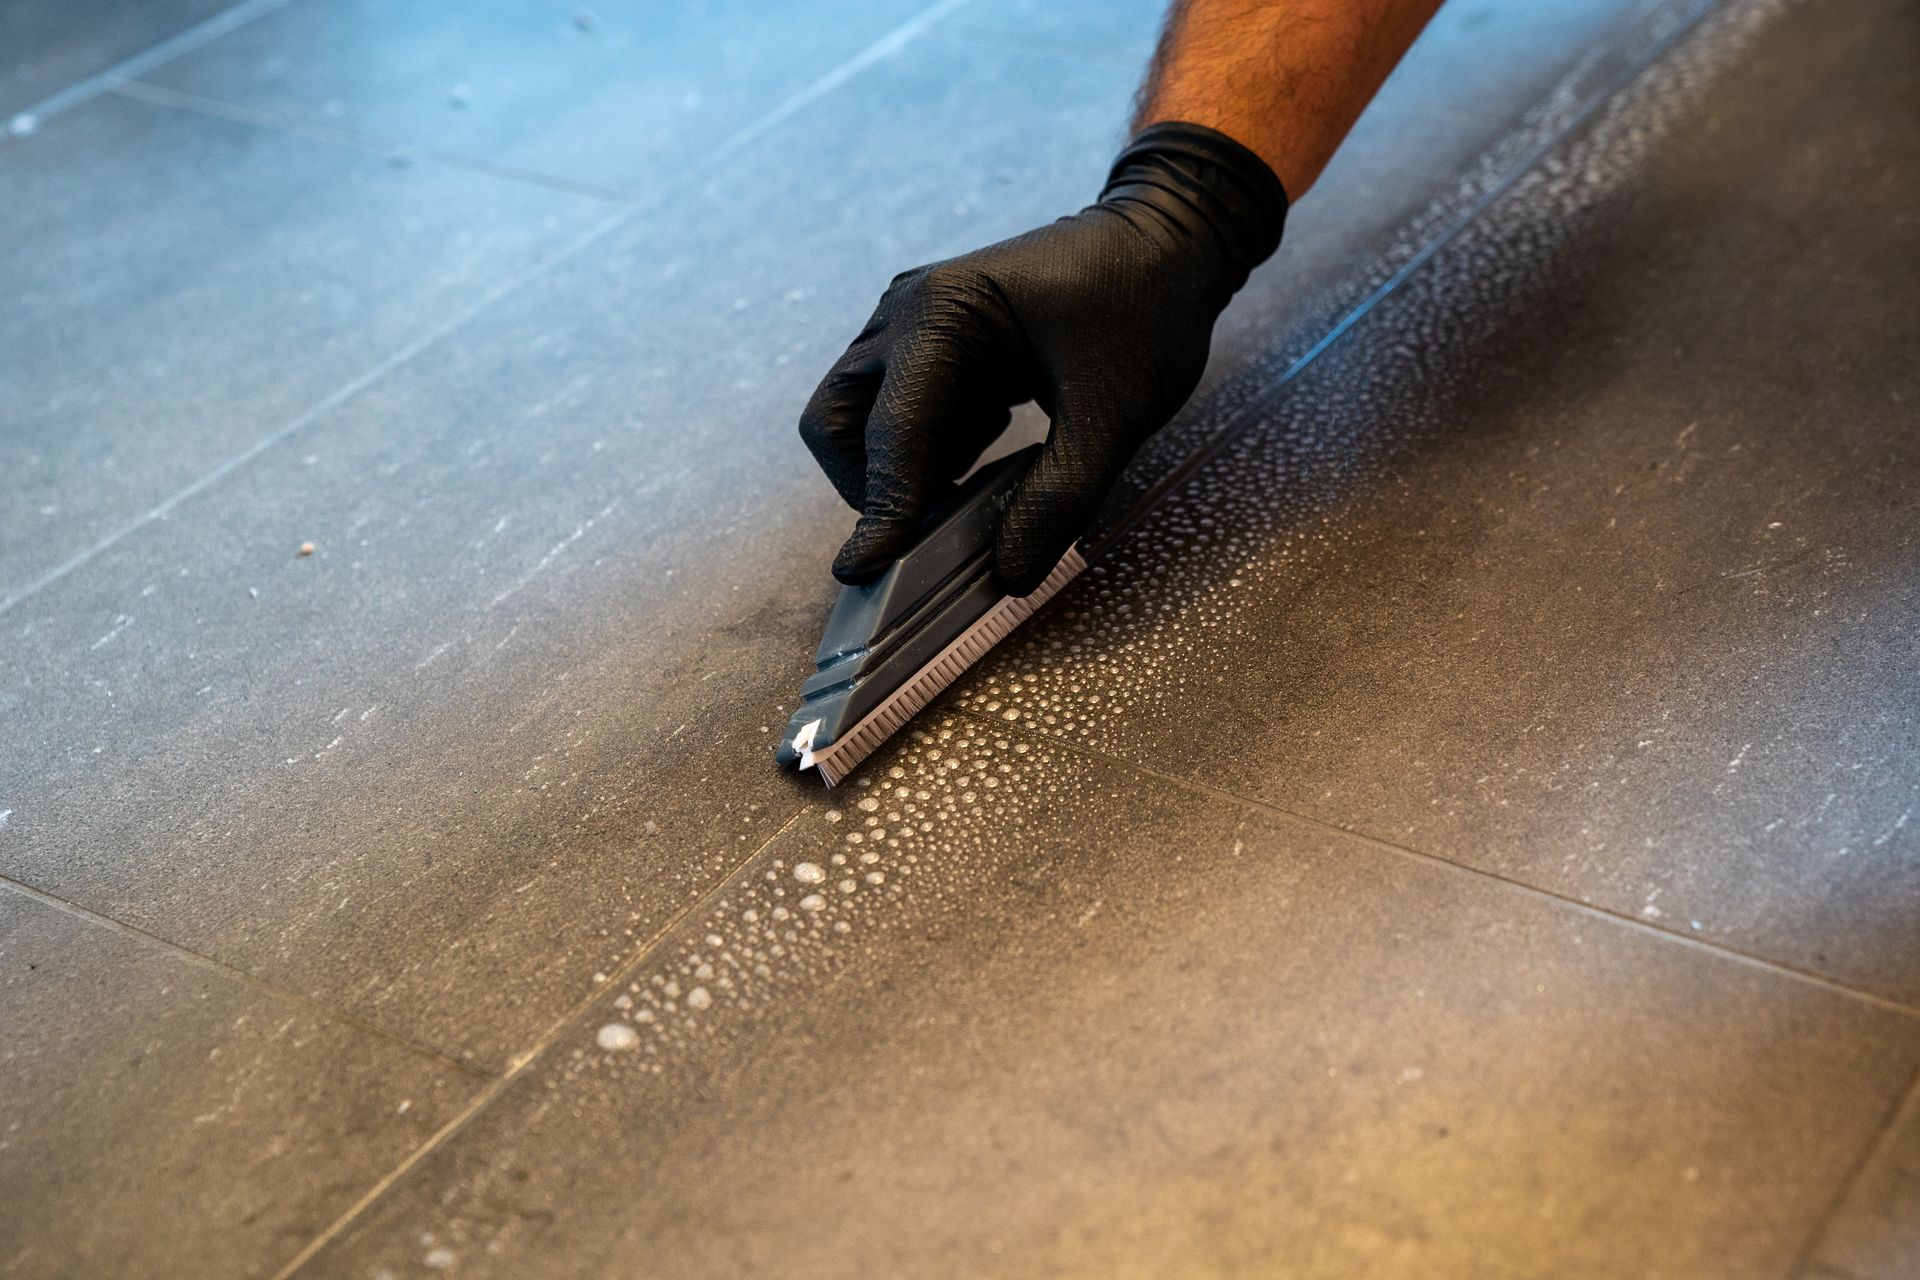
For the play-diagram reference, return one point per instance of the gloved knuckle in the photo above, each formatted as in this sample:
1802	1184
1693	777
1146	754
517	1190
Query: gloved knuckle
900	289
952	282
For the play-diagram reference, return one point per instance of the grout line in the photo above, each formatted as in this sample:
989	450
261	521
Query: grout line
1722	951
355	139
1244	417
1906	1106
521	1062
84	91
879	50
9	885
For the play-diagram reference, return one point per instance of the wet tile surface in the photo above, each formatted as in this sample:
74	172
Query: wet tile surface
1875	1232
161	1118
179	288
624	94
507	726
1588	559
1011	1010
47	45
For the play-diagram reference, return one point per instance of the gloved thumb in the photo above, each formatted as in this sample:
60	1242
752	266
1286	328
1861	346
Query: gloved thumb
881	534
1057	499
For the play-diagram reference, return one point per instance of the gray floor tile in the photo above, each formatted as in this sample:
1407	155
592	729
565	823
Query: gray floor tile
620	93
1875	1232
46	46
161	1118
180	287
1587	558
1047	1016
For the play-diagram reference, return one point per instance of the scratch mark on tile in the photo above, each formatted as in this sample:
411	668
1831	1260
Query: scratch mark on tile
559	549
1878	840
120	624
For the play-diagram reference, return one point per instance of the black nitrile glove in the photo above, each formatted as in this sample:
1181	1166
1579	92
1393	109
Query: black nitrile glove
1102	318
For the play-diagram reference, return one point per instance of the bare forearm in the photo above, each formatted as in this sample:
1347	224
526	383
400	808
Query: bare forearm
1285	78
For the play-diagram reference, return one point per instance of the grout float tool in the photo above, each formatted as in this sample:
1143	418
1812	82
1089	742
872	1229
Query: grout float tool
893	643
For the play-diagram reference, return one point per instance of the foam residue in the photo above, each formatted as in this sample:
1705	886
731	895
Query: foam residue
955	786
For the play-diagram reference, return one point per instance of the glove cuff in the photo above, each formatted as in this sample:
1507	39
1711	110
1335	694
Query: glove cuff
1199	178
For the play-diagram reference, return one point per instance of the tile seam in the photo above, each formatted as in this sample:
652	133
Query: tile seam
1906	1105
1507	883
374	144
252	981
203	32
523	1061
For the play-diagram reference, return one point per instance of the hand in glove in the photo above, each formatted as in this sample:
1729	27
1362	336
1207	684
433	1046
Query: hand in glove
1102	318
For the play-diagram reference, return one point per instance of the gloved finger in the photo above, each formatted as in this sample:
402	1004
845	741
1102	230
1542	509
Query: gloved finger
925	428
834	423
1052	505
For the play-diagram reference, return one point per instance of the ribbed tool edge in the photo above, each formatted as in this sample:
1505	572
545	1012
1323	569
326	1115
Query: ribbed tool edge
835	762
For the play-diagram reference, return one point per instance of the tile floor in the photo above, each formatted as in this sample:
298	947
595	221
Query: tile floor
1462	828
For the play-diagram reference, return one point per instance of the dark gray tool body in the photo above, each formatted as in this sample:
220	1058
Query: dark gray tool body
930	609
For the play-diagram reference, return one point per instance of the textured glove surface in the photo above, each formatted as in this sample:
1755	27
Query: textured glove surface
1102	318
